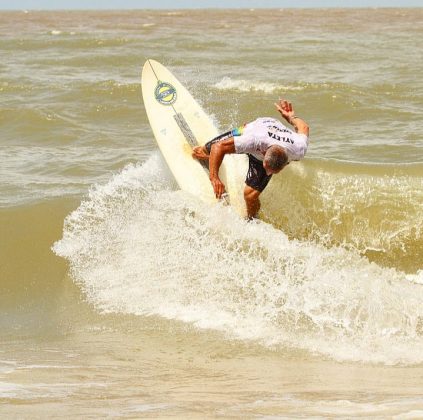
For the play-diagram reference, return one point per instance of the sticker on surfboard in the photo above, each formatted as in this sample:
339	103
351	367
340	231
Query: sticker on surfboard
165	93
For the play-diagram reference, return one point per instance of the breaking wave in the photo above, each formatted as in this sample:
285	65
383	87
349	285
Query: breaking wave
139	246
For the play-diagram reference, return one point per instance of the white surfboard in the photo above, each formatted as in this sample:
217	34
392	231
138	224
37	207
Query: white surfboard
179	124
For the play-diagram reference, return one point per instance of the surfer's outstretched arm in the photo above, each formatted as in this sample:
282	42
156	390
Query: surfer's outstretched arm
217	153
286	110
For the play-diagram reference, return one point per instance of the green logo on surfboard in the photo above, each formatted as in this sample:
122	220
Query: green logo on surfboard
165	93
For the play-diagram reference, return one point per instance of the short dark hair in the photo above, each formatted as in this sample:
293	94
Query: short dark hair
276	157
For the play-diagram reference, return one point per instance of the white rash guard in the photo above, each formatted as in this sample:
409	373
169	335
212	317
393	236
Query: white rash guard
258	135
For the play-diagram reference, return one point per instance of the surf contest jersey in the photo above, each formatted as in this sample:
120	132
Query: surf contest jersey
257	136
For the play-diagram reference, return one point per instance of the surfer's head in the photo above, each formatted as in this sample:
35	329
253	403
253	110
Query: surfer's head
275	159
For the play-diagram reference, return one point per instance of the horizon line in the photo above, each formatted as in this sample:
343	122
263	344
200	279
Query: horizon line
207	8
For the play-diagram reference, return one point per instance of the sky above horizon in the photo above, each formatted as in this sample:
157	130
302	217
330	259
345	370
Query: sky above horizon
195	4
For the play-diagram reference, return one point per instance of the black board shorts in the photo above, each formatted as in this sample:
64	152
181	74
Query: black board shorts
217	139
256	175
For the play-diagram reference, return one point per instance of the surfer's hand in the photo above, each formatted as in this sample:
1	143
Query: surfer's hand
218	187
285	108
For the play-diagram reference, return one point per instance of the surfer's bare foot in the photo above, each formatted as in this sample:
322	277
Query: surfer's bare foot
200	153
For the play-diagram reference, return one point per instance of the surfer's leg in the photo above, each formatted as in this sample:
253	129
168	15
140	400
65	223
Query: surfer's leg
256	182
252	202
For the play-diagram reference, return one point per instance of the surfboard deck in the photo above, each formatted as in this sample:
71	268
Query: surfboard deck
179	124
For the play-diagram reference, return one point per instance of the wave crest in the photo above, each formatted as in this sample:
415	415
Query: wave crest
248	85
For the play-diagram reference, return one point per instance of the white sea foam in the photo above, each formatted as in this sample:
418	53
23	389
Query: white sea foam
43	390
415	278
370	405
7	366
139	246
10	390
242	85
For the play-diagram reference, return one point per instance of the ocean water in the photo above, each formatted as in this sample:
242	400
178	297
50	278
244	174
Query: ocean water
123	297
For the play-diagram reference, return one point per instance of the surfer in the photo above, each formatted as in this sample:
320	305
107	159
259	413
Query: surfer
270	146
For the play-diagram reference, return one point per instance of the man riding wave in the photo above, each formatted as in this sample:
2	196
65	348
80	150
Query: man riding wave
270	146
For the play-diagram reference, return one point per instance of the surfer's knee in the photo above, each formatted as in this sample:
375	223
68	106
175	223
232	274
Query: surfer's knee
251	194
